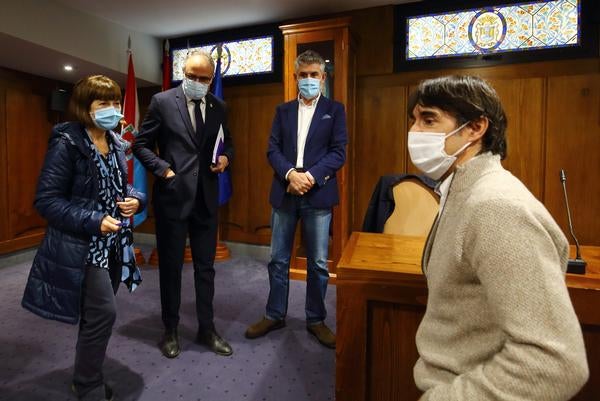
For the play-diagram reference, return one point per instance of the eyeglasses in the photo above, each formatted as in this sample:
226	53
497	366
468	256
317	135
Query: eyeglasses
204	80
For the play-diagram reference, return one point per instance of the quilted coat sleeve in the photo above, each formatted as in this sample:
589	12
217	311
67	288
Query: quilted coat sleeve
53	198
140	196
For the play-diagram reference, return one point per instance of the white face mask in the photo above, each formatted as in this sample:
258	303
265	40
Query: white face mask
427	152
194	90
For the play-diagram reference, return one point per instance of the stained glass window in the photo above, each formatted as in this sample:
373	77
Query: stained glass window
240	57
516	27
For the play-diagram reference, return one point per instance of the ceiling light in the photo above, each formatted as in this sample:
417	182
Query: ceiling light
68	67
327	61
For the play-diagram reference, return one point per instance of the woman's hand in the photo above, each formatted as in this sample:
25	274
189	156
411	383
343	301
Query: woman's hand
129	206
110	225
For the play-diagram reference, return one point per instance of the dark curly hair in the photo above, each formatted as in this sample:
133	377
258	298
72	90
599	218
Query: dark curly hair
467	98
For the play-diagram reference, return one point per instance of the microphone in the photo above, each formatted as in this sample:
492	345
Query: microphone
577	265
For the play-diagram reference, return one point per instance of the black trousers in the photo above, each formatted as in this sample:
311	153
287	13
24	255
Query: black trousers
98	314
201	226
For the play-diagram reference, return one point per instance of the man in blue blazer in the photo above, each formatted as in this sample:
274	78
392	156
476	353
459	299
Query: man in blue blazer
183	124
306	148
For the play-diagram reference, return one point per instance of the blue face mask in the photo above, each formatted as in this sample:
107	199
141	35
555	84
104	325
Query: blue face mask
194	90
107	118
309	87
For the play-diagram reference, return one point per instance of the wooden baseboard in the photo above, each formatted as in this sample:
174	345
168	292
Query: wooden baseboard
20	243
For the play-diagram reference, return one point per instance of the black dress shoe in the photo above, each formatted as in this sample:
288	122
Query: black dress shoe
94	394
212	340
169	344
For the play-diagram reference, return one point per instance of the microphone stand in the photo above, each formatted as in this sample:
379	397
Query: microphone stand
577	265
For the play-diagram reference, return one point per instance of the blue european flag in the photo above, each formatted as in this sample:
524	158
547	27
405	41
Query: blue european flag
225	187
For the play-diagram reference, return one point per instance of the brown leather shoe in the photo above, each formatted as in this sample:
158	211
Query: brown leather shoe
323	334
263	326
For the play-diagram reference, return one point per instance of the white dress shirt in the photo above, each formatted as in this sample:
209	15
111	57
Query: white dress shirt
305	116
442	190
190	105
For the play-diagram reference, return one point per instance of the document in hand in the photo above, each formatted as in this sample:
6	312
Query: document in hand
219	145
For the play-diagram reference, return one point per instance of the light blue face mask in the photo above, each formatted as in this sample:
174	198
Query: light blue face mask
107	118
309	87
194	90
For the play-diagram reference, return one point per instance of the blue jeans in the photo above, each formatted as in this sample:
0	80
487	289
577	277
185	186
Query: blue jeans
315	223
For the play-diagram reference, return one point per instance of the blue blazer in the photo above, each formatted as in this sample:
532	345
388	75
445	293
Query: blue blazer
324	151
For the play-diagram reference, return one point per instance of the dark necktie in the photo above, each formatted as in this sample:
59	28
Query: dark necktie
198	118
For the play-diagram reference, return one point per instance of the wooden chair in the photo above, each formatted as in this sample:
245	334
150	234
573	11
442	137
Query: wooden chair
416	206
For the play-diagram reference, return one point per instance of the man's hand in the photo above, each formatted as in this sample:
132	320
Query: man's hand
169	173
300	183
222	164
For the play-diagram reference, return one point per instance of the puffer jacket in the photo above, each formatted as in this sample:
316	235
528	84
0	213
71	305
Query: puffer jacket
66	197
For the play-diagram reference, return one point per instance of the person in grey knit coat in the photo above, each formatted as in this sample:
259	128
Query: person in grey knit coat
499	323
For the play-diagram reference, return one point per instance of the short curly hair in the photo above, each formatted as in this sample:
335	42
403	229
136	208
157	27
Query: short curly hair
309	57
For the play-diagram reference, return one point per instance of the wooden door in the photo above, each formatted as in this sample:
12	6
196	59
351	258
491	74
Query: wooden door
332	39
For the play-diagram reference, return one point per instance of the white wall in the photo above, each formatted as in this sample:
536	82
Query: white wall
55	26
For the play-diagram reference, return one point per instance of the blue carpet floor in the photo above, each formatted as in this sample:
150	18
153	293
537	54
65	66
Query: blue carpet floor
36	355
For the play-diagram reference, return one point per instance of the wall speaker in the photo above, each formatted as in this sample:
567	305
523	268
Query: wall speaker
59	99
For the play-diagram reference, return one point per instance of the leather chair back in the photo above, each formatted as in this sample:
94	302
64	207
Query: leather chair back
416	206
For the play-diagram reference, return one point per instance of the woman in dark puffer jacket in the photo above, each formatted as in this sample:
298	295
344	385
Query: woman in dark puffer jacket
83	193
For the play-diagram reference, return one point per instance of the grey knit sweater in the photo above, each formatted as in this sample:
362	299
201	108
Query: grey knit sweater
499	323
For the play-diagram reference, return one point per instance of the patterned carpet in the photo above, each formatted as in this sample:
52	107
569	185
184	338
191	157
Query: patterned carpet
36	355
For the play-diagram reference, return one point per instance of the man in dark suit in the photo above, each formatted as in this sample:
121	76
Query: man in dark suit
183	124
306	147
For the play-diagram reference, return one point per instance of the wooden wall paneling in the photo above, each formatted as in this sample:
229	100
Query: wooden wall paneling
374	29
349	172
351	353
25	124
238	120
344	91
591	335
573	144
261	172
380	141
251	111
524	104
4	236
389	352
507	71
410	167
29	129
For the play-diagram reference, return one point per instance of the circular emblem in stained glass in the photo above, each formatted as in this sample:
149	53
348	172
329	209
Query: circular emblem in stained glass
487	30
225	57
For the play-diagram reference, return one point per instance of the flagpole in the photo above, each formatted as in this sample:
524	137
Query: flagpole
139	257
222	251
